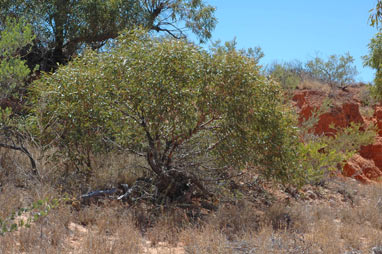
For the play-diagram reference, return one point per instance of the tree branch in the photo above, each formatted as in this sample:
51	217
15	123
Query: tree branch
23	150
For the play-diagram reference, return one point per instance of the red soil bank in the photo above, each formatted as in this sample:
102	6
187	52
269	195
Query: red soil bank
340	115
365	166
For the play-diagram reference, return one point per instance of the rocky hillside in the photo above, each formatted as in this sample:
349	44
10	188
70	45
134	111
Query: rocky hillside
365	166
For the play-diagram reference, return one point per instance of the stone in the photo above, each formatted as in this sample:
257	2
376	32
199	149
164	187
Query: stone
362	169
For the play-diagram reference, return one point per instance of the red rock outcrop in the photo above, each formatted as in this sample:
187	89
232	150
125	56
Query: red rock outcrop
365	166
362	169
339	115
373	152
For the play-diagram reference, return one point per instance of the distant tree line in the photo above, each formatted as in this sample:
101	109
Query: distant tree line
336	71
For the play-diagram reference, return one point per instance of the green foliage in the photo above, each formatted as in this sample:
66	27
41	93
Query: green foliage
289	75
256	53
376	14
73	113
336	71
64	27
184	109
13	134
349	140
319	156
316	162
324	155
5	117
14	35
374	60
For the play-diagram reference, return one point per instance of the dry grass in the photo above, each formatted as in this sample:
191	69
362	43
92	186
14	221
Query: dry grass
365	96
340	216
310	226
315	85
116	169
366	111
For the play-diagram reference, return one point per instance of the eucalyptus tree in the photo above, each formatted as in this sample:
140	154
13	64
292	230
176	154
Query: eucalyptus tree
337	70
63	27
190	113
374	60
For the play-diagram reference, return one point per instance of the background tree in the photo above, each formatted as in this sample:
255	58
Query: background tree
288	74
192	114
374	58
63	27
336	71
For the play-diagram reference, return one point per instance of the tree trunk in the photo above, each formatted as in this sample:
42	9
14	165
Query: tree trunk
60	20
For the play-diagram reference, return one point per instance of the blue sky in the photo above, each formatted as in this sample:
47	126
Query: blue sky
287	30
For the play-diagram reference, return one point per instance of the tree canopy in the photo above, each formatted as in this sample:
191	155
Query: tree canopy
336	71
63	27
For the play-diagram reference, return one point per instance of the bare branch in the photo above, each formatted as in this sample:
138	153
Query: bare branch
23	150
108	140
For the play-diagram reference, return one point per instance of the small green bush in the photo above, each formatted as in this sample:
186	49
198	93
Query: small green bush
321	155
289	74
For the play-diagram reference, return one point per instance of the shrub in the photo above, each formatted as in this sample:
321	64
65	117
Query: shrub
326	155
289	74
320	156
189	112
